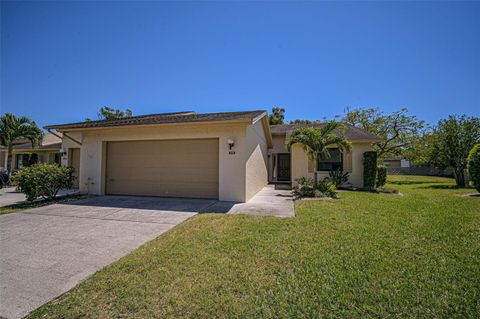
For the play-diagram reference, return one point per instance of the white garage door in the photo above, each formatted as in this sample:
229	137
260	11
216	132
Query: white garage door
172	168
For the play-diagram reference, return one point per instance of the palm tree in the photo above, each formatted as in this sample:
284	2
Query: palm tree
314	140
13	128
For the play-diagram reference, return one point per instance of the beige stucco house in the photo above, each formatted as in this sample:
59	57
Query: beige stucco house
286	166
227	156
47	151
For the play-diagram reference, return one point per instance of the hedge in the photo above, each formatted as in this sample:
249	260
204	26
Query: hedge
369	169
474	166
381	175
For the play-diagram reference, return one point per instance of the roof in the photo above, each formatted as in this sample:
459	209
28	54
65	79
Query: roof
352	133
49	141
164	118
394	158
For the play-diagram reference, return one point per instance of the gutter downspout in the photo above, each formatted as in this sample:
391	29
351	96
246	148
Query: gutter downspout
64	134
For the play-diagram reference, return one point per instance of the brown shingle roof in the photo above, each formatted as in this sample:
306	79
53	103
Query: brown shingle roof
49	141
352	133
163	118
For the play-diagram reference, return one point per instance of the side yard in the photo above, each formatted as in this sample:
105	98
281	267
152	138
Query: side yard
364	255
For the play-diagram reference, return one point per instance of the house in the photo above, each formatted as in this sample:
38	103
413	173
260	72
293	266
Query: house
287	166
228	156
398	165
396	162
47	151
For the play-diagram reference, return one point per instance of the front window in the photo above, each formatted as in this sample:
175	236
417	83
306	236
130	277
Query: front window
19	161
332	163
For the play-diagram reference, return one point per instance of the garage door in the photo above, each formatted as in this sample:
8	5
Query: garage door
173	168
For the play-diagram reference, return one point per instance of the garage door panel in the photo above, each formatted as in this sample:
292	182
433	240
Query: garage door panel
177	168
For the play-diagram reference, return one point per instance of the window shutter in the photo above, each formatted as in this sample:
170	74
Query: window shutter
347	161
311	165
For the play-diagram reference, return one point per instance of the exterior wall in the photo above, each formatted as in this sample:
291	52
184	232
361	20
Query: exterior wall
67	144
302	166
256	159
279	144
356	176
278	147
299	165
232	167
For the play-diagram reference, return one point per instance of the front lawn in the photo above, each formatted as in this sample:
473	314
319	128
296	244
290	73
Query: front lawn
364	255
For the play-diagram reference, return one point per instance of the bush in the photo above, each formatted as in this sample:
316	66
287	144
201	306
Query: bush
369	169
381	175
43	180
338	177
304	188
474	166
326	189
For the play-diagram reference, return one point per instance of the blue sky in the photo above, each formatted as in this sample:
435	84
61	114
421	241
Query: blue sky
61	61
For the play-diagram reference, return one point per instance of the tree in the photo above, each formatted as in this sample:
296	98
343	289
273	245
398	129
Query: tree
277	116
421	149
315	140
452	139
396	131
13	128
110	113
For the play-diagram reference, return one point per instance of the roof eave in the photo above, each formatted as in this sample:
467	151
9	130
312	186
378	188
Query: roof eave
69	128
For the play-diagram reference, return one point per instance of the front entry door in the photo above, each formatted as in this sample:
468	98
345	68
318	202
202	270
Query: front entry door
74	162
283	167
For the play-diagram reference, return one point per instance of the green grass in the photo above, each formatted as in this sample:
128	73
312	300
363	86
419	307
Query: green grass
10	209
364	255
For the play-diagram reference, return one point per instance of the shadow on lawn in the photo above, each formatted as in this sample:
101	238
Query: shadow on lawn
415	182
444	187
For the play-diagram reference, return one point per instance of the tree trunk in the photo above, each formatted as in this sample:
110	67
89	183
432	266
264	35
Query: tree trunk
460	177
9	160
315	178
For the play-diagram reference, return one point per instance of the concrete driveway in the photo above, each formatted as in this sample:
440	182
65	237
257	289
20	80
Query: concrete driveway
46	251
10	196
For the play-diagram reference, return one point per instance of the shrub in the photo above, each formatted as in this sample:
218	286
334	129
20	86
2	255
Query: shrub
304	188
338	177
474	166
325	189
381	175
43	180
369	169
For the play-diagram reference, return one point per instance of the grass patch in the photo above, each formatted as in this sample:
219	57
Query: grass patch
364	255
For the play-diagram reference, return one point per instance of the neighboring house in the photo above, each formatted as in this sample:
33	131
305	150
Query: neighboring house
396	162
398	165
227	156
287	166
47	150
